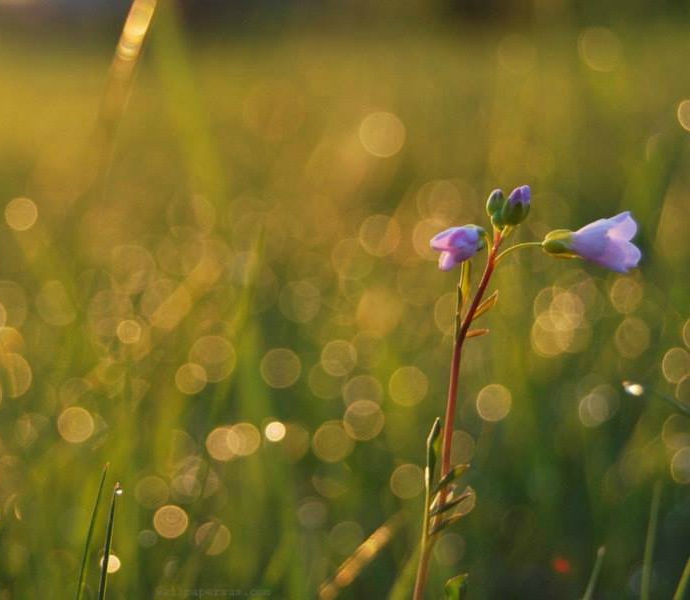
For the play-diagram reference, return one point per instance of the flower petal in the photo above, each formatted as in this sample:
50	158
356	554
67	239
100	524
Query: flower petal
446	261
623	227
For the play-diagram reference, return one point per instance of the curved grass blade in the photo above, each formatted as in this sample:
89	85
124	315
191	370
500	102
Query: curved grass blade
683	583
350	569
593	578
117	491
89	534
649	544
456	587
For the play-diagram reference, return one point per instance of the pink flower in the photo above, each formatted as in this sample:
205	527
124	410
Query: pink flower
457	244
605	242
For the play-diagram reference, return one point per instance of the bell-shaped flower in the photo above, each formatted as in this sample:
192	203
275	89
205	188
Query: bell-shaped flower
605	242
457	244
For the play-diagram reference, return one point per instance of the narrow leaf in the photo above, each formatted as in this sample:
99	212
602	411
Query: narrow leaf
465	280
476	332
589	592
446	522
453	474
683	583
432	452
89	534
456	587
117	491
450	504
486	305
649	544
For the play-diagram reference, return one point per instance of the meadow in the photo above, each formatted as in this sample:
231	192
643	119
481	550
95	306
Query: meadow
216	278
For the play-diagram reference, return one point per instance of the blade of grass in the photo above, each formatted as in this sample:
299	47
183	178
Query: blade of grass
589	592
350	569
117	491
89	534
649	544
683	583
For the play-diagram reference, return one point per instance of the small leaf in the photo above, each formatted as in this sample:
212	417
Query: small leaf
456	587
476	332
450	504
432	452
465	281
486	305
453	474
445	523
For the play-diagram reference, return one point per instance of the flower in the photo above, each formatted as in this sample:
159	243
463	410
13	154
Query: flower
457	244
605	242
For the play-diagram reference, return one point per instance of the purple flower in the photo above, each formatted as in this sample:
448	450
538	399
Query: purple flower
605	242
457	244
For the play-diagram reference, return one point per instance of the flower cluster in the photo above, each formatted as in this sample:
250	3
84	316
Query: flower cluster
605	242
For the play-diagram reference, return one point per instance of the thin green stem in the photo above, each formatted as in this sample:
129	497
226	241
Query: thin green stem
649	544
117	491
89	535
683	583
517	247
593	578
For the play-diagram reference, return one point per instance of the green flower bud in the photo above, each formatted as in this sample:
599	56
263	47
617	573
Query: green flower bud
495	202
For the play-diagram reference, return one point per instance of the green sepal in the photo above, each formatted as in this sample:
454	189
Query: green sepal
559	242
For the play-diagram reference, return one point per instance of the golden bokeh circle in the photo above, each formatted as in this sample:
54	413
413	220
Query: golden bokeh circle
75	424
190	378
407	481
213	536
21	214
408	385
280	367
494	402
363	420
170	521
331	443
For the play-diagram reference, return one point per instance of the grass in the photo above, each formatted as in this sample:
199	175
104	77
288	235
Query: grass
238	193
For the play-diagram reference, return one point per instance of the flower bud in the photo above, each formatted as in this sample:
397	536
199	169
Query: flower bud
516	207
495	202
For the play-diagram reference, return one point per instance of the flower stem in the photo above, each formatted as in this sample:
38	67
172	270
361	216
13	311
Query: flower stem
447	434
517	247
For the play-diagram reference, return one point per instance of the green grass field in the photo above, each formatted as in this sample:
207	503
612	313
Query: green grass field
224	289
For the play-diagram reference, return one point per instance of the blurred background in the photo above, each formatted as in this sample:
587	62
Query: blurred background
215	276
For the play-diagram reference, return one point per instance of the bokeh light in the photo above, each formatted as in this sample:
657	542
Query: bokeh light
494	402
408	385
382	134
170	521
280	367
21	214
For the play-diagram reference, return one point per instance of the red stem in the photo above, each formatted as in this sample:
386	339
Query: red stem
427	544
455	361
